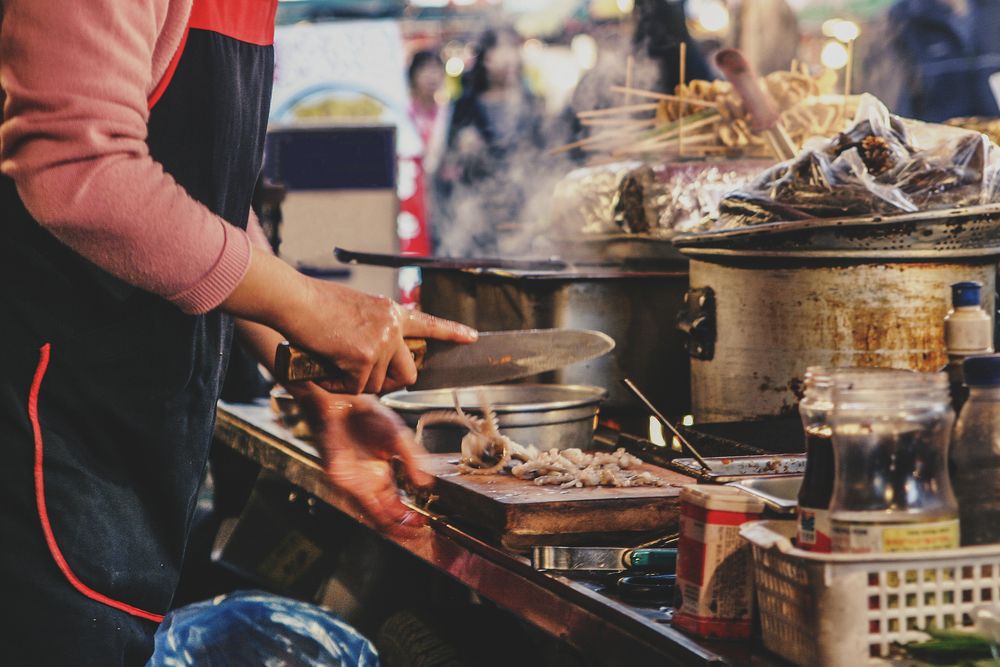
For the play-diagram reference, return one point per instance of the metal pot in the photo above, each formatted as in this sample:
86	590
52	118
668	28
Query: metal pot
637	309
547	416
756	320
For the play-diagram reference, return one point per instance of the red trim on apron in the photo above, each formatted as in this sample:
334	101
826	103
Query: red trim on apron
168	76
43	513
249	21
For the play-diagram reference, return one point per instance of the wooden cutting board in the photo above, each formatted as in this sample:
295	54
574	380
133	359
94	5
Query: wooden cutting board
523	514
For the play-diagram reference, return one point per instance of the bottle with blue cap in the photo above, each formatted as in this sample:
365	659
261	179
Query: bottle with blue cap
968	331
975	452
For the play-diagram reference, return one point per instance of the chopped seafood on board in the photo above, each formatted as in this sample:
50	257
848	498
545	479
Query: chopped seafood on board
486	451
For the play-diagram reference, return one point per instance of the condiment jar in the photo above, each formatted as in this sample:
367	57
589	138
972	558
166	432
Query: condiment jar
813	529
813	516
975	452
892	492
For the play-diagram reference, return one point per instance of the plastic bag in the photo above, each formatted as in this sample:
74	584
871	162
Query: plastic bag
255	628
882	165
639	198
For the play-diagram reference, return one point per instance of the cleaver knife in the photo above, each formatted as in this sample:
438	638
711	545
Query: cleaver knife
495	357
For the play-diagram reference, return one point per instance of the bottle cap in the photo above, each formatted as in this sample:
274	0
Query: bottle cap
982	370
965	294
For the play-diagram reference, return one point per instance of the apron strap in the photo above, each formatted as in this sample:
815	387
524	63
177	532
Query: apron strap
43	513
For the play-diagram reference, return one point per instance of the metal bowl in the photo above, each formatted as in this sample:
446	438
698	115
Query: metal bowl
545	415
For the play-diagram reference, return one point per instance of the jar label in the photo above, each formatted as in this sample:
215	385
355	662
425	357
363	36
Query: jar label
814	530
870	538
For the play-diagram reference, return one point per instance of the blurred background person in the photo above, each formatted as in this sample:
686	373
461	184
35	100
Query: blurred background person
767	32
493	143
660	28
426	78
937	59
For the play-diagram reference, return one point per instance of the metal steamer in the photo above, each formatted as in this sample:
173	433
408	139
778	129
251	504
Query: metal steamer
768	301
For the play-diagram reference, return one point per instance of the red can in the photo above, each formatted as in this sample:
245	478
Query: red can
714	564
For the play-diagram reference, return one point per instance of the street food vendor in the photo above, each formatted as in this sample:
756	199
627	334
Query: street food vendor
131	139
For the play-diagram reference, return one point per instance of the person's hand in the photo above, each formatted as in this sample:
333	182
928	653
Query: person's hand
357	438
361	335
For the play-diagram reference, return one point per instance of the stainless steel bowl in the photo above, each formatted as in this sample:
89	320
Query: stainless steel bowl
544	415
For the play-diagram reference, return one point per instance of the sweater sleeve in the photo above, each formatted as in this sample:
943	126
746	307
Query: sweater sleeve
74	141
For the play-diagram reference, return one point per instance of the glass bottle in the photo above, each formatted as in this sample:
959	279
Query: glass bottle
892	491
813	530
975	452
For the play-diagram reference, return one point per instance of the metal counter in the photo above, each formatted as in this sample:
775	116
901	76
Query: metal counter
608	631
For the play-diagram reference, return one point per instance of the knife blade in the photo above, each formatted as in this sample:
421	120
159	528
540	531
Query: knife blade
495	357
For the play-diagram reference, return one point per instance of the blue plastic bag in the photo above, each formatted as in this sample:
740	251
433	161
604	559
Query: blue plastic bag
255	628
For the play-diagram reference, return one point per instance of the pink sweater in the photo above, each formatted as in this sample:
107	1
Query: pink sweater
77	76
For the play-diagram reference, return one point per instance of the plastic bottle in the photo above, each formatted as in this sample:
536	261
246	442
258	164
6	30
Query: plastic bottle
975	452
968	331
892	491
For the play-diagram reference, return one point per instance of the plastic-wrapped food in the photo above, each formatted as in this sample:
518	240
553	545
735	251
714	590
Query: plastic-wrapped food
643	198
883	165
255	628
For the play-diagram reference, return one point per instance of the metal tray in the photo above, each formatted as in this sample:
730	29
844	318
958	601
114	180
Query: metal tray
956	232
780	494
727	469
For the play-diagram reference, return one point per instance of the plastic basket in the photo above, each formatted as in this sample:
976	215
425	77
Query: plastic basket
845	609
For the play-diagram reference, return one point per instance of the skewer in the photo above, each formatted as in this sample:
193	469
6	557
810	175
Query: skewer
847	76
638	92
698	124
629	70
595	139
663	420
664	144
618	122
614	111
683	90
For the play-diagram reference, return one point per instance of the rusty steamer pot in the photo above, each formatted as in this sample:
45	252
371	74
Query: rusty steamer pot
768	301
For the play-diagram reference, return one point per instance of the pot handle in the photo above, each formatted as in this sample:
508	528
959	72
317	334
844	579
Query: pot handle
697	322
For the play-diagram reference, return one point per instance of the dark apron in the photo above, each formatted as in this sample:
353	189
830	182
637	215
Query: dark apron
108	393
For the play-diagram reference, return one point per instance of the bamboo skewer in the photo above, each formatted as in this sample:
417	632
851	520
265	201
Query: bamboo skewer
847	77
683	109
662	96
617	122
665	146
629	71
613	111
697	125
603	137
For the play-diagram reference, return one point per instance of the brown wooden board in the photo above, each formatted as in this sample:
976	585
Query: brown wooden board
523	514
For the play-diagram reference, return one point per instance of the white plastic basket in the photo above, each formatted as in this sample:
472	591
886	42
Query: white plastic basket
844	609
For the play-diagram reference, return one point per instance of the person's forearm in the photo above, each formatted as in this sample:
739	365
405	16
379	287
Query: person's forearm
271	293
260	340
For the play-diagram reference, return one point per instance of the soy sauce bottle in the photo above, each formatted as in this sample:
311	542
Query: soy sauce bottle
813	531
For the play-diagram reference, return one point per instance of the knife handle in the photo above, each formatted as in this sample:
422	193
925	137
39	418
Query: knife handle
656	560
293	364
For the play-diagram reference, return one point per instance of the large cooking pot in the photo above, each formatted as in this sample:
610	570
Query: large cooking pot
637	309
767	302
